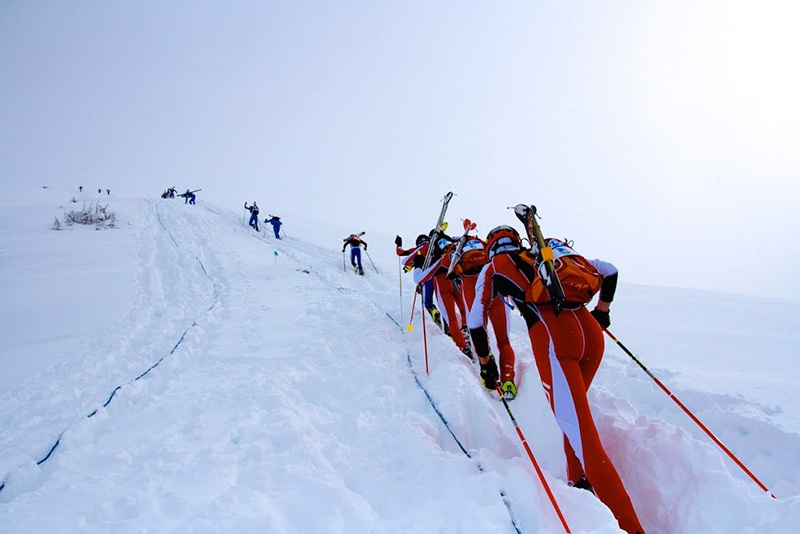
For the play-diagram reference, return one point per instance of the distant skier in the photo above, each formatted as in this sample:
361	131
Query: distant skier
172	192
253	214
276	223
355	243
80	189
189	197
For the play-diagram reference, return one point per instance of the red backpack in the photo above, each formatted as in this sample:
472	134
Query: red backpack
473	256
579	278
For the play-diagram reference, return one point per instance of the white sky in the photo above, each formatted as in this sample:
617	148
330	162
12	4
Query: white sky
660	136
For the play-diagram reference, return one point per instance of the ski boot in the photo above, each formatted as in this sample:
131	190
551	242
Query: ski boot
489	374
509	390
507	386
583	484
436	315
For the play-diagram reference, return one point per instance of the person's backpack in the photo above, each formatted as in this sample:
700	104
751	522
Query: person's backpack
579	279
473	256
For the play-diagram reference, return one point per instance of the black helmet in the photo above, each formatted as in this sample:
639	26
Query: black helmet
422	239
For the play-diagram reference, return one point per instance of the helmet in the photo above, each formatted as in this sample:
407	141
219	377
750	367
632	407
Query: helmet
422	238
502	239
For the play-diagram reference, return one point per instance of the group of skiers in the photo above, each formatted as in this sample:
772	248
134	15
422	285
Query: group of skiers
274	220
99	191
188	196
477	282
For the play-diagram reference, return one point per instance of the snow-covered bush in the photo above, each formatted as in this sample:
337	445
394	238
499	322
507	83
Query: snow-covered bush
95	214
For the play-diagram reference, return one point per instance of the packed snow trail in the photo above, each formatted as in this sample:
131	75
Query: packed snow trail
288	405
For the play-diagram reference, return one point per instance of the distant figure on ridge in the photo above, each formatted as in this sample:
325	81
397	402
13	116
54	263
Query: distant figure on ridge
355	243
253	214
276	223
189	196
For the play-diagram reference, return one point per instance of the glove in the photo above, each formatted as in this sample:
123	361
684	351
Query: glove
398	241
602	318
365	247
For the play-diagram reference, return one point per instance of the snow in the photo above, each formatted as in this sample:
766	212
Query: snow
262	387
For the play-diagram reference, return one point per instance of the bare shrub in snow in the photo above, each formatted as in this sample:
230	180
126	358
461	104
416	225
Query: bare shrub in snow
95	215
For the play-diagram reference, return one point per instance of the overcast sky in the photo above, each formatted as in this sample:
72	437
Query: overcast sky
661	136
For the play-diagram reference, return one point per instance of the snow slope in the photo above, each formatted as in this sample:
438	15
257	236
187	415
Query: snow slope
200	377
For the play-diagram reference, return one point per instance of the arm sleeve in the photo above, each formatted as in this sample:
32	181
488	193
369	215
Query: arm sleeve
610	275
420	276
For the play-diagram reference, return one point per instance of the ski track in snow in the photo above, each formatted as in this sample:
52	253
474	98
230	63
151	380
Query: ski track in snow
282	401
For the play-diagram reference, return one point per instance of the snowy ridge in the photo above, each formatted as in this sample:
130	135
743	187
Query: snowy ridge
274	394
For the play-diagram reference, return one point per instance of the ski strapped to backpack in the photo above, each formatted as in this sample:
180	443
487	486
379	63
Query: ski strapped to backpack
579	279
565	277
543	256
438	228
456	257
359	234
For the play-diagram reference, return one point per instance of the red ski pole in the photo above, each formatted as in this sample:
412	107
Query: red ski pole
425	342
410	326
533	461
690	414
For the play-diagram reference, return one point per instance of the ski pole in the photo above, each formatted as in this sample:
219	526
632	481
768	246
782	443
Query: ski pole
370	260
533	460
400	277
410	326
690	414
425	342
344	265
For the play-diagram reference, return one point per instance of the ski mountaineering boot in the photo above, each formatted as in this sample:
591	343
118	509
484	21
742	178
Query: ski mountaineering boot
509	390
489	374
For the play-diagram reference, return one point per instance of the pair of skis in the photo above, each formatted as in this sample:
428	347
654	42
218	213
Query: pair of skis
543	255
437	228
